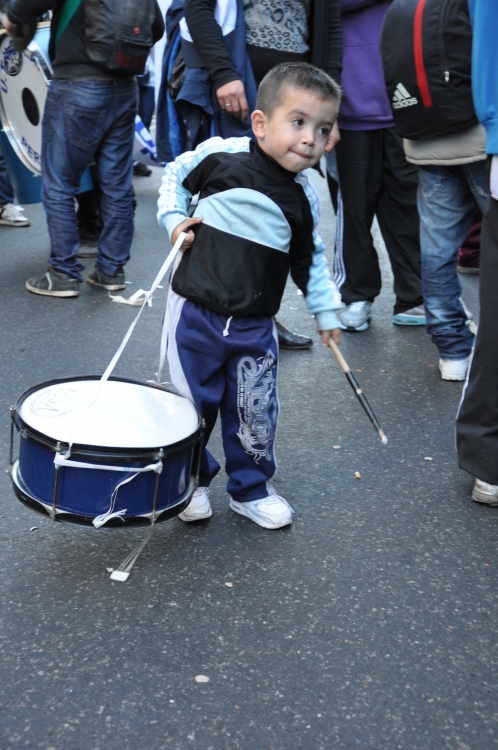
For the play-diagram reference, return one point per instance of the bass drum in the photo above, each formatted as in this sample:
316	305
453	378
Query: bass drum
24	81
136	458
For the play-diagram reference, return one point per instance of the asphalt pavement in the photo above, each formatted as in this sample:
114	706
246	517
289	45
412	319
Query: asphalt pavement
370	623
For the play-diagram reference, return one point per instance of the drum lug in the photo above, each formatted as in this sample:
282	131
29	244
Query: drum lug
56	482
11	452
160	456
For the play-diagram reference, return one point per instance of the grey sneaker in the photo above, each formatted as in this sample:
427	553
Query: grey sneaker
483	492
355	317
54	284
199	507
413	317
112	283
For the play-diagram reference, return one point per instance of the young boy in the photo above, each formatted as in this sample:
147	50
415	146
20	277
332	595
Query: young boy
253	222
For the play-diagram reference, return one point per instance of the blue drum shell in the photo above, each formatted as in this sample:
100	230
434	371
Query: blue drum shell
84	493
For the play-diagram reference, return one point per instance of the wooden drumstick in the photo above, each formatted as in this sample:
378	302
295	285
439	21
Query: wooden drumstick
356	388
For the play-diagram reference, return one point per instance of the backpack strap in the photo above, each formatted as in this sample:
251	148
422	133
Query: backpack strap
69	9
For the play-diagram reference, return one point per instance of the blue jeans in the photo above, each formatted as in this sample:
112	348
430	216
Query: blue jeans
6	190
447	201
85	121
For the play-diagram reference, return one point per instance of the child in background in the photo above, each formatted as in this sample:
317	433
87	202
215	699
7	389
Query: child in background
255	220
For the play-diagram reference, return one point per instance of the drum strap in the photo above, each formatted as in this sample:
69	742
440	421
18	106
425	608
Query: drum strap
112	364
68	11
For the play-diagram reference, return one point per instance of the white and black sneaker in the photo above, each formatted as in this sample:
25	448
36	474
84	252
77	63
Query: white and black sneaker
54	284
12	216
111	283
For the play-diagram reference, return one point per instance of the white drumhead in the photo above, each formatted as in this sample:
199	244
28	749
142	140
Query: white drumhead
24	80
125	415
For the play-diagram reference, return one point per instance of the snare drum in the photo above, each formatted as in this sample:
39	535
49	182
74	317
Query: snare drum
136	452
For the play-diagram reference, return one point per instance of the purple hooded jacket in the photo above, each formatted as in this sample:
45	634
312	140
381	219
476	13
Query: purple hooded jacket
365	104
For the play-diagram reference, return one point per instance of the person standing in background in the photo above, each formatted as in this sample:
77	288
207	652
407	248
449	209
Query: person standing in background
477	421
146	106
298	31
11	215
374	180
89	114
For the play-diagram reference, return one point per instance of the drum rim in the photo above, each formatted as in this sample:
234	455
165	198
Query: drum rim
101	452
5	121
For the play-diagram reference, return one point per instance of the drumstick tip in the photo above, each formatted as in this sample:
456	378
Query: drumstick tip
383	437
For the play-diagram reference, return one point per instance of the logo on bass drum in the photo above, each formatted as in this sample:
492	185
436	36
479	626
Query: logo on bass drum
55	403
401	98
11	60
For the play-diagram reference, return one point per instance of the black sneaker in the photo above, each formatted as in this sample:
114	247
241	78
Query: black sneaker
112	283
54	284
88	247
141	170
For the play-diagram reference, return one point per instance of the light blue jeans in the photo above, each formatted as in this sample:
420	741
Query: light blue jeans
447	201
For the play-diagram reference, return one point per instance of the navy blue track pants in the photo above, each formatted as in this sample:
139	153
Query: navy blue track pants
229	365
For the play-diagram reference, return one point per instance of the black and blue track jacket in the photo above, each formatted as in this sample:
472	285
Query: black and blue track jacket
259	222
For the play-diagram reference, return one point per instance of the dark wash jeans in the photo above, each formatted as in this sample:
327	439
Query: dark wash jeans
85	121
6	190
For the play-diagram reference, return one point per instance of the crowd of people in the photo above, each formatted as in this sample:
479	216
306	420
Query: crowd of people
252	93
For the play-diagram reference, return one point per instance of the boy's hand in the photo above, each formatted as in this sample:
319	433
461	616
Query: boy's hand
184	227
334	334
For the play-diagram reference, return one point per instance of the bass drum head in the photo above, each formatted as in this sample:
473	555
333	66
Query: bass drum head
24	81
125	415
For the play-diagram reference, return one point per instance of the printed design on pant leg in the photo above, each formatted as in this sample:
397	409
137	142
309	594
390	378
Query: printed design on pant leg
257	405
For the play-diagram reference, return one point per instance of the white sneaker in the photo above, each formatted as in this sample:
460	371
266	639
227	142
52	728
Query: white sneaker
355	317
270	512
12	216
483	492
454	369
199	507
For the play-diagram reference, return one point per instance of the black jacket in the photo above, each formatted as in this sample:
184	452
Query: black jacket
325	39
70	60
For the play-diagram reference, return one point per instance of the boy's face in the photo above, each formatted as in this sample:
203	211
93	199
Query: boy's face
298	131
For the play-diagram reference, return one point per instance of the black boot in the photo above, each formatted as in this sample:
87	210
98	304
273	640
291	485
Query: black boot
289	340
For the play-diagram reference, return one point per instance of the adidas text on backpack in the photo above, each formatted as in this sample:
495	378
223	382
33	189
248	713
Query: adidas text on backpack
426	53
401	98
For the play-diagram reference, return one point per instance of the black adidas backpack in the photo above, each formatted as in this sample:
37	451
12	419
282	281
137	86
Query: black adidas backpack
426	53
118	33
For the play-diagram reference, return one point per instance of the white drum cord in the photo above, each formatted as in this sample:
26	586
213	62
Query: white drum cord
60	460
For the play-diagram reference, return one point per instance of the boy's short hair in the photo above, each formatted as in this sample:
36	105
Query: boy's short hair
299	75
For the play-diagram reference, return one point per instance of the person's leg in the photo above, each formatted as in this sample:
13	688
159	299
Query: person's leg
399	222
477	421
10	214
197	352
114	163
249	408
446	206
249	411
359	164
6	189
73	125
